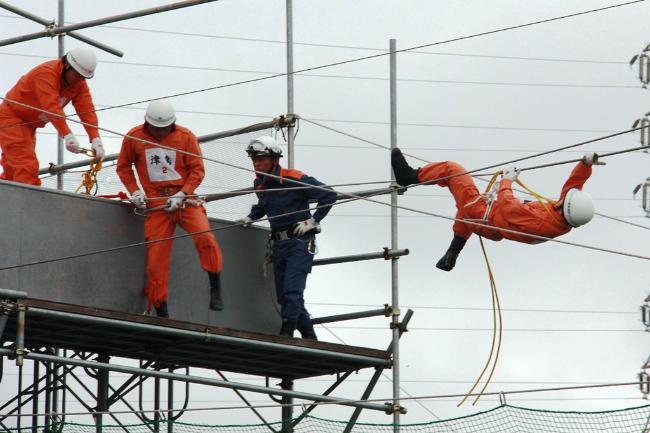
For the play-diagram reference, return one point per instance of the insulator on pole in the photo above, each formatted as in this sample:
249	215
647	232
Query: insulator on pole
644	383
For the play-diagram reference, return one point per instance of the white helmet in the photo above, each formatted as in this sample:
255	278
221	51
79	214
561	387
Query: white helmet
82	60
578	207
264	146
160	113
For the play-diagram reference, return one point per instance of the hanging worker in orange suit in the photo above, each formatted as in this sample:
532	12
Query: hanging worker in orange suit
47	88
573	209
165	158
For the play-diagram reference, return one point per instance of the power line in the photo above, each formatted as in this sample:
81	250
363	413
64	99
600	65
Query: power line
383	54
442	329
354	47
351	197
356	77
519	310
440	397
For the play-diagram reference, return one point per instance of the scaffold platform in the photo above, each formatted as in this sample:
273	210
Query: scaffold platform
183	344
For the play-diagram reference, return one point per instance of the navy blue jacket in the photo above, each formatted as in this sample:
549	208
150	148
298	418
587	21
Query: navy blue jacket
274	203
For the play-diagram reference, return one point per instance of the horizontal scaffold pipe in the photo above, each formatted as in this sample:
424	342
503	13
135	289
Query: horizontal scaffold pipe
48	23
206	337
280	122
12	294
386	311
200	380
386	254
115	18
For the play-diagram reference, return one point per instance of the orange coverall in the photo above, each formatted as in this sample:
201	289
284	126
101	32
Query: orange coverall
507	211
42	87
162	173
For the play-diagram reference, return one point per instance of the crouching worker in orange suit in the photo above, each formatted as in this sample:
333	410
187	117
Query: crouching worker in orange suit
573	209
48	88
169	177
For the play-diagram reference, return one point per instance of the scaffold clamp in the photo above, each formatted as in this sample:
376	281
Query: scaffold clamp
392	408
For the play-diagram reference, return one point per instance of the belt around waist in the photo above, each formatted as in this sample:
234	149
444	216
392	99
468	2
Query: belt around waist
167	191
283	235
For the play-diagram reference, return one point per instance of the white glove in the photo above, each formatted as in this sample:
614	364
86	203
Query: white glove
138	199
511	173
306	226
174	202
98	147
246	221
71	143
591	158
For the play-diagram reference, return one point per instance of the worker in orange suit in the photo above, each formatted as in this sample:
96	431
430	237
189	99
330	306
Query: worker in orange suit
573	209
167	160
38	98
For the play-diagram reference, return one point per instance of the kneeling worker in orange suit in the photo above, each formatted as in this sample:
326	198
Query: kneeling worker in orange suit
169	170
47	88
573	209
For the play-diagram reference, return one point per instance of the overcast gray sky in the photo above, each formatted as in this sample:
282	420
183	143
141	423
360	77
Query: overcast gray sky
460	101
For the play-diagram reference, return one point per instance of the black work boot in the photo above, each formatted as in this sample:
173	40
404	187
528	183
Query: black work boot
404	174
448	261
307	331
161	310
216	303
288	327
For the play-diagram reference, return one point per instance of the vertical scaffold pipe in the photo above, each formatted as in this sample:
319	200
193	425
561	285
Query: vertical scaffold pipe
394	239
290	109
59	139
287	409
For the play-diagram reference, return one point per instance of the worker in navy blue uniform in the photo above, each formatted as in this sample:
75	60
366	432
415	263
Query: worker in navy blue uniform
293	236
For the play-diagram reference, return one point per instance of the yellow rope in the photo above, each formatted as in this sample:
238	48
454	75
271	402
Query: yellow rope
496	308
545	201
89	177
497	318
496	313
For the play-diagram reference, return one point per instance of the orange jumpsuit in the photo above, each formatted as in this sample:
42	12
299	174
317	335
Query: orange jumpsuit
163	173
42	87
507	211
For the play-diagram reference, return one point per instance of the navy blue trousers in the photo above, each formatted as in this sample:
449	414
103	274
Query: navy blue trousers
291	264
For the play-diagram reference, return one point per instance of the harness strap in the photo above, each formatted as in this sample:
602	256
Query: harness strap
545	201
489	196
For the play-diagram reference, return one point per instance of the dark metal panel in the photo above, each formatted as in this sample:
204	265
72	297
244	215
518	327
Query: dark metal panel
41	224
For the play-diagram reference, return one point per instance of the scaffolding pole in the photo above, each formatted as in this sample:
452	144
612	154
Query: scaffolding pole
115	18
395	325
386	255
278	122
290	108
48	23
59	140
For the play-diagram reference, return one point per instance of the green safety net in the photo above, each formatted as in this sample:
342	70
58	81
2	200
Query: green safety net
505	418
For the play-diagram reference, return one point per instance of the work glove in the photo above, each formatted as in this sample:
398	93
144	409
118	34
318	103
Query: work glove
71	143
246	221
511	173
174	202
306	226
591	158
138	199
98	147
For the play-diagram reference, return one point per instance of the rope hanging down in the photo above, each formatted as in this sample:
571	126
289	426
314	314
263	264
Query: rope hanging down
489	196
